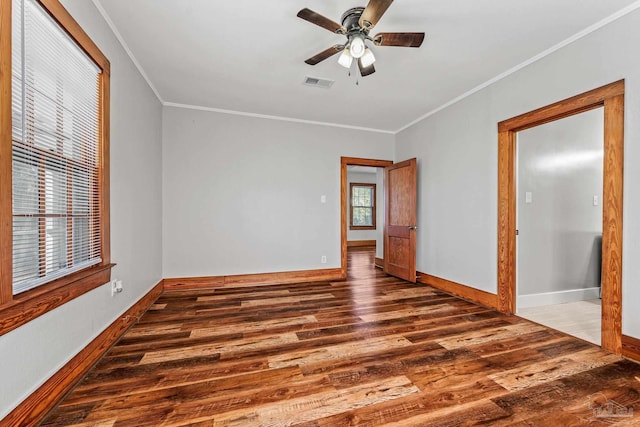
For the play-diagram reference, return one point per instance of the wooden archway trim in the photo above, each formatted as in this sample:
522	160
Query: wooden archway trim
611	97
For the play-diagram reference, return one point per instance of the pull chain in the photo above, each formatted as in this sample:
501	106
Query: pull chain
357	79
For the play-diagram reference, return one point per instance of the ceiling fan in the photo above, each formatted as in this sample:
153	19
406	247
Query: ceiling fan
356	24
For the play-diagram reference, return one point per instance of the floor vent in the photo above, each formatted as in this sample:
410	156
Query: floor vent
318	82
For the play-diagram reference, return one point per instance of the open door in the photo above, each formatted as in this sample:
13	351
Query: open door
400	220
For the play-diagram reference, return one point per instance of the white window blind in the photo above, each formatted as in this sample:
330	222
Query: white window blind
55	119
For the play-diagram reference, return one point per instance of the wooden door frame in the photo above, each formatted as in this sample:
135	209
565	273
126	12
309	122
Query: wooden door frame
344	162
611	97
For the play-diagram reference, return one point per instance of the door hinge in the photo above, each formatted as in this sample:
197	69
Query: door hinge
517	232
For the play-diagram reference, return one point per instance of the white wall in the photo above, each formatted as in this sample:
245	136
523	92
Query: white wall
35	351
560	168
362	178
457	153
242	194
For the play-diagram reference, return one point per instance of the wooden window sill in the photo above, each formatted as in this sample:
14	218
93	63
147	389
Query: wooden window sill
30	304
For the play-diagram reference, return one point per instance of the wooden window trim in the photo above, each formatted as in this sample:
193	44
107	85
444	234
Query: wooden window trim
16	310
373	207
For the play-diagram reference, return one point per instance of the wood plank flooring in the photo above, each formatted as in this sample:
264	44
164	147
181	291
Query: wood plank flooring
370	351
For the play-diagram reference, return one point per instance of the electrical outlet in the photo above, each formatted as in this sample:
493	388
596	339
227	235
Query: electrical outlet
323	259
116	287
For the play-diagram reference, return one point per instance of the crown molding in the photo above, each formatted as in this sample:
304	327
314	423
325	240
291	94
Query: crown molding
606	21
280	118
592	28
124	45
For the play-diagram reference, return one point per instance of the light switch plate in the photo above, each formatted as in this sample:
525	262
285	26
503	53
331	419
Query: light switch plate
528	197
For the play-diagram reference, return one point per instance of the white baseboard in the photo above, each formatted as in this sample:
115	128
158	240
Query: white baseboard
559	297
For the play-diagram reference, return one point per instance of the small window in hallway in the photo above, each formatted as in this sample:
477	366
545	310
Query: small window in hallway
363	206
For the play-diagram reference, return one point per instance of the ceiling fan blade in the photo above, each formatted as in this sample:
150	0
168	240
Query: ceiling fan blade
373	12
324	54
399	39
366	71
321	21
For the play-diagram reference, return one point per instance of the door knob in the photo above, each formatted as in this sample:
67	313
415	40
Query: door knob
412	227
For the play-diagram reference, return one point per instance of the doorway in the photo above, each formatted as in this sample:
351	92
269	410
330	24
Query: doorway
345	162
365	210
559	173
611	97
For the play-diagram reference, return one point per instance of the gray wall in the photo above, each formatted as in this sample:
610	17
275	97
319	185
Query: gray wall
242	194
369	178
35	351
560	167
457	154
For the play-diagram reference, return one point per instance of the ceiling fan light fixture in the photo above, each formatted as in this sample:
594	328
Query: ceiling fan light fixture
345	59
367	58
356	46
355	26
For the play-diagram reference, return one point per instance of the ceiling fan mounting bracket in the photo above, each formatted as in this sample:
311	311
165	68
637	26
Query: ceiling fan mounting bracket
350	21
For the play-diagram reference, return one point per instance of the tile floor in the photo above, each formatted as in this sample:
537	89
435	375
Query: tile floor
580	319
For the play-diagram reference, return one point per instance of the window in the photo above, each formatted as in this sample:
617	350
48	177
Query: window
363	206
58	156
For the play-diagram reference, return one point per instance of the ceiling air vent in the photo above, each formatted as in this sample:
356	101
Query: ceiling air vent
318	82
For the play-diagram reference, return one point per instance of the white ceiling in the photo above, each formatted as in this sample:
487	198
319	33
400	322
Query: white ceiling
248	56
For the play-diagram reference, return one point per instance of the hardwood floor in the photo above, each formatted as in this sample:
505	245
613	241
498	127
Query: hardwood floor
371	351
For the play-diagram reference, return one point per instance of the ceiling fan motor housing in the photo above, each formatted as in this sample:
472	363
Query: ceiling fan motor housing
350	21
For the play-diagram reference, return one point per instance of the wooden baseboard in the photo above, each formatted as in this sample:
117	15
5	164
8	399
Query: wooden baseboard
465	292
379	262
631	347
359	243
253	279
34	408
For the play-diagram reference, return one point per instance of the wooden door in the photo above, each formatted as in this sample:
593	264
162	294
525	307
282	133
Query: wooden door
400	220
